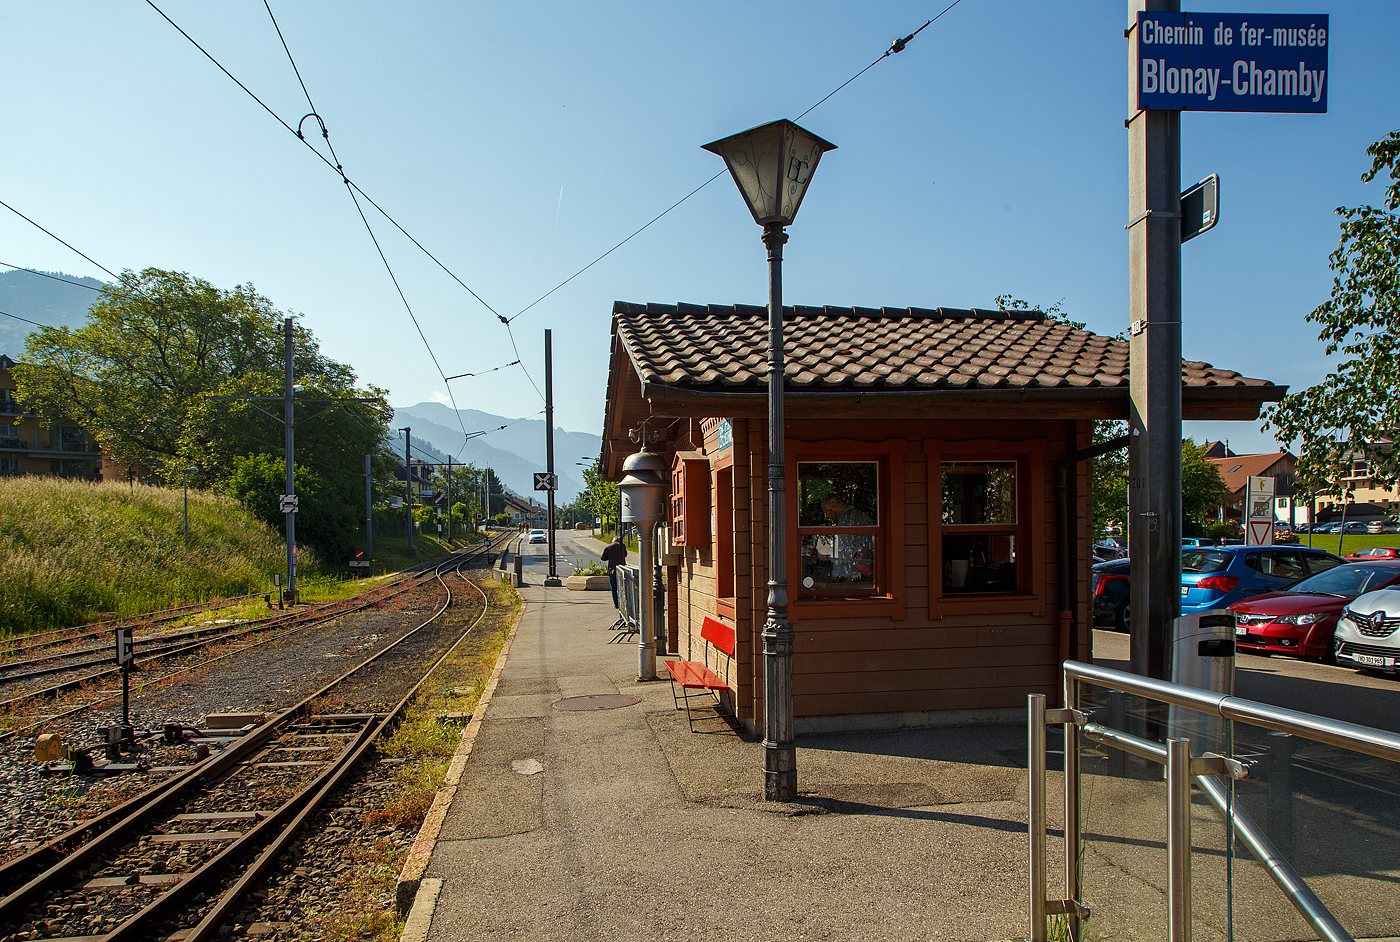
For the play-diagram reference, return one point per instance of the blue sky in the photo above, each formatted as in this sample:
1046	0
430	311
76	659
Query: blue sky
518	141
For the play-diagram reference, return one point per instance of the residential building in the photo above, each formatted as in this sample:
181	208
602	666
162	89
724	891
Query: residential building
31	444
1236	470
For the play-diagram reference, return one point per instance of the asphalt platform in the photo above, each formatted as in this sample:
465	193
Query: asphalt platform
622	824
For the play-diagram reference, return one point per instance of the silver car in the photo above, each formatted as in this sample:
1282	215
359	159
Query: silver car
1368	633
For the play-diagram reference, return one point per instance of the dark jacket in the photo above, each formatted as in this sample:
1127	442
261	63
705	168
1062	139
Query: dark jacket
614	554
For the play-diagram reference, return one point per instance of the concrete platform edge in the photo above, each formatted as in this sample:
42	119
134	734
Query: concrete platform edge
420	917
406	892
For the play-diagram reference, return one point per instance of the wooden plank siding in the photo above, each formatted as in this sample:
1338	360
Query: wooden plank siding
940	655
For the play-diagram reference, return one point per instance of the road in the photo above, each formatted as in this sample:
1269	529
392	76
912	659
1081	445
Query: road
1322	689
573	549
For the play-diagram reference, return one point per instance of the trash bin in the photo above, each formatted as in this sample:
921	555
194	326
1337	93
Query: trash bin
1203	656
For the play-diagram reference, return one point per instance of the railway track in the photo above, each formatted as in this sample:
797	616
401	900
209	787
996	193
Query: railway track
185	853
83	681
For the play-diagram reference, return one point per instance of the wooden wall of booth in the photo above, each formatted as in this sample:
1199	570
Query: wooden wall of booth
913	649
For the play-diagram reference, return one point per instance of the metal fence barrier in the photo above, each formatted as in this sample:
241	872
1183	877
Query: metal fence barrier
1213	774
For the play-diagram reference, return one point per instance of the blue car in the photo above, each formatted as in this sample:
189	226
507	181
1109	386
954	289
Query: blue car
1220	576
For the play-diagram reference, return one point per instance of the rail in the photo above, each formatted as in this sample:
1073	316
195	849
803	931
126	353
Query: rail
1182	716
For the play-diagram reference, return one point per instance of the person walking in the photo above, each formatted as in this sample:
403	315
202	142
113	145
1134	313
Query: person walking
614	554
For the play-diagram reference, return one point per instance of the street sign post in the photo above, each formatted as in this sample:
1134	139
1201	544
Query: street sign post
544	481
1259	512
1262	62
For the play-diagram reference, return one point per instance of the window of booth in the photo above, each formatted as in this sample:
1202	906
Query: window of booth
724	537
846	528
986	526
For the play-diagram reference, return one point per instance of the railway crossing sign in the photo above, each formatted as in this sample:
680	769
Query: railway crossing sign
1259	512
544	481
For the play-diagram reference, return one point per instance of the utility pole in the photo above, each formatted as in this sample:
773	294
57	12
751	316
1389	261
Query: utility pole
289	508
449	498
1154	450
553	578
369	514
408	480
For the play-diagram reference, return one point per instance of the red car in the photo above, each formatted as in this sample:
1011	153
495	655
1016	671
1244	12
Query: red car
1374	552
1300	620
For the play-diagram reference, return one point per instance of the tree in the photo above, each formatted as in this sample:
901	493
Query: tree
1109	470
1354	411
1202	488
599	496
139	377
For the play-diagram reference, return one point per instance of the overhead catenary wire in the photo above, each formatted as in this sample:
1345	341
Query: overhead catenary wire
334	163
893	48
896	46
325	133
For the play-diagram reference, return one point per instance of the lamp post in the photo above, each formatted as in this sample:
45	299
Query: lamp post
772	165
186	474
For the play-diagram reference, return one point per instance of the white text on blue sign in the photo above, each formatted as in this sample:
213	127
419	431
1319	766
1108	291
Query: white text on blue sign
1232	62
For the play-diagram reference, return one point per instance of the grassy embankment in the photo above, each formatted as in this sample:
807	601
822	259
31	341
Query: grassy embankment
71	551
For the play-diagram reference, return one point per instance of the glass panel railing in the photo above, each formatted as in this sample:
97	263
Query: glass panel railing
1333	815
1123	850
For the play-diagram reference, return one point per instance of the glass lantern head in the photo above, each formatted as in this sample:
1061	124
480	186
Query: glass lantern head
772	165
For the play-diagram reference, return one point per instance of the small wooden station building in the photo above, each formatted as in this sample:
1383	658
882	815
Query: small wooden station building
939	506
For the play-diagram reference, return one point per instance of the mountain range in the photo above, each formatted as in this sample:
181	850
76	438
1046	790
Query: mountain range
44	301
515	452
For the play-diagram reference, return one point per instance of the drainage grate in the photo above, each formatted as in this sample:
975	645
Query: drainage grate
596	701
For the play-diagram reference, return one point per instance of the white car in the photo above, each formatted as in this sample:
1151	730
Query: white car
539	536
1368	633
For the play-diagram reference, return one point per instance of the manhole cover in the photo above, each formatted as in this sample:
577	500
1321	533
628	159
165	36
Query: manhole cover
596	701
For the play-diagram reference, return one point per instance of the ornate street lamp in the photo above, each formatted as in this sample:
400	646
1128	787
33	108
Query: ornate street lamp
772	165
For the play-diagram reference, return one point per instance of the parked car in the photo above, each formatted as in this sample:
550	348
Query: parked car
1368	633
539	536
1218	577
1193	541
1110	548
1111	594
1383	526
1375	552
1301	620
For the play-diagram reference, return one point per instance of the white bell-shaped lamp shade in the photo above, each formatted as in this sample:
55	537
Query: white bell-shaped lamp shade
772	165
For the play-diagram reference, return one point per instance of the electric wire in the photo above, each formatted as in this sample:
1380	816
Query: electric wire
325	133
44	274
25	319
335	165
895	47
484	372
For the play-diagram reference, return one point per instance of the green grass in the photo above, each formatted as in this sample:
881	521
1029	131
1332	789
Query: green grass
72	551
1351	543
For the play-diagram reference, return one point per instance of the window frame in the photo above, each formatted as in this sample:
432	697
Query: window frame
1031	517
888	598
722	505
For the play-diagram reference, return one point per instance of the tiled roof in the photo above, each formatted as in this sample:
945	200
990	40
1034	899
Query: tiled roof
1236	470
840	348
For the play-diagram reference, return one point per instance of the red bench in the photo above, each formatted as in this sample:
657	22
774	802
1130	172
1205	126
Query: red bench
696	675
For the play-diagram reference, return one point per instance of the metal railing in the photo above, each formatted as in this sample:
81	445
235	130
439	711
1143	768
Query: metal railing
1207	771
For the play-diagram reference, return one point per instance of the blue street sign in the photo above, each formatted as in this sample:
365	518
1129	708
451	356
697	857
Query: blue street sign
1232	62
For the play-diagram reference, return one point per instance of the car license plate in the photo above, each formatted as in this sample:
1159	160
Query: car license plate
1241	630
1184	590
1371	660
